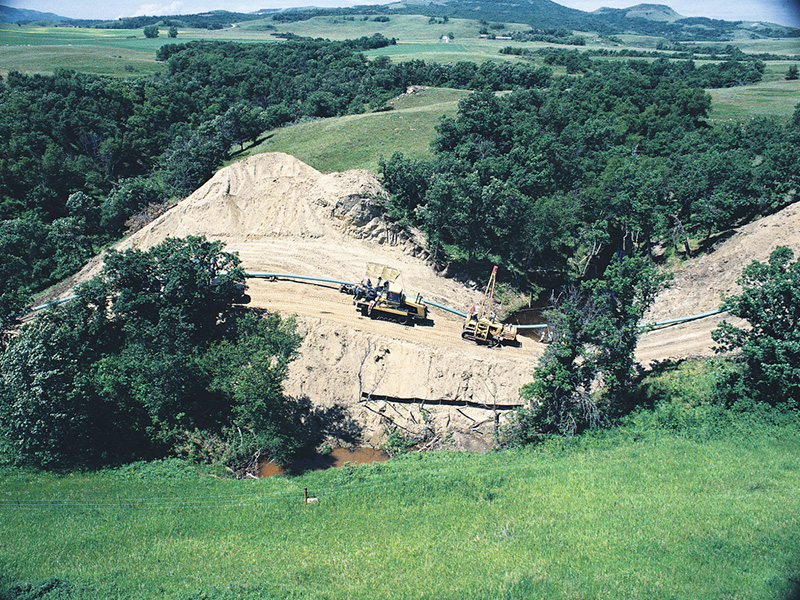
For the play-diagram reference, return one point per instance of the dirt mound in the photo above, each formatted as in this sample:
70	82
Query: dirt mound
277	196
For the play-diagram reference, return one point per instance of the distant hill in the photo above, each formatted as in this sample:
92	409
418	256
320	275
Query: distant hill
654	12
643	19
536	13
18	15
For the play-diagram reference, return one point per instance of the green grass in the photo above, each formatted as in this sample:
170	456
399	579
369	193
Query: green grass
35	49
359	141
773	97
661	517
405	28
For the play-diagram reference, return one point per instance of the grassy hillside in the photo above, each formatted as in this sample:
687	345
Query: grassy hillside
655	517
772	97
360	141
37	49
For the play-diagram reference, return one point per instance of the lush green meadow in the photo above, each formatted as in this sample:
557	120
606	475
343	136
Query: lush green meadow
628	515
774	96
37	49
360	141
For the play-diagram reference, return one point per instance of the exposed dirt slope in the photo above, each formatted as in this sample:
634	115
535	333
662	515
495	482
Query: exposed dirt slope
699	284
283	216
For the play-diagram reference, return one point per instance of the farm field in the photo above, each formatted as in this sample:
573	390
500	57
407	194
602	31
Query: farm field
625	516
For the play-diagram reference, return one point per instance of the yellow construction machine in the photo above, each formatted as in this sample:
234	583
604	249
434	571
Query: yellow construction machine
482	326
381	296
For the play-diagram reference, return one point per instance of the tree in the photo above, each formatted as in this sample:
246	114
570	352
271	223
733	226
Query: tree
48	407
180	284
620	299
243	122
173	32
792	73
407	180
561	391
770	346
151	31
586	372
191	159
150	351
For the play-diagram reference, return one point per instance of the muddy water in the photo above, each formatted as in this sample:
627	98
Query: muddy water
337	457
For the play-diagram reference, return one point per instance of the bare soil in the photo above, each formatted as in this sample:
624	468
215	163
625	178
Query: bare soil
282	216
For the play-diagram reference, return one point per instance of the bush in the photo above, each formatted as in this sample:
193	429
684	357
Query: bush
770	346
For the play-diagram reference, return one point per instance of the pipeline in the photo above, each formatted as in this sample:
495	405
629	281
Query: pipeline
429	302
687	319
46	305
289	276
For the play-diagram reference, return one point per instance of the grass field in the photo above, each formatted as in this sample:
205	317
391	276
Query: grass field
772	97
360	141
36	49
660	517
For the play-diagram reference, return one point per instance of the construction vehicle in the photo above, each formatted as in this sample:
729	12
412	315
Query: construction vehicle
482	326
381	297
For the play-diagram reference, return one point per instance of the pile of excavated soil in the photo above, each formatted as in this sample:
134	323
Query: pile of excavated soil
283	216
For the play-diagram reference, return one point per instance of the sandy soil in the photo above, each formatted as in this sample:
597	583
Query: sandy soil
282	216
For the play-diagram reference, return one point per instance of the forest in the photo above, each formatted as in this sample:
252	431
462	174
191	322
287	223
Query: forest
618	159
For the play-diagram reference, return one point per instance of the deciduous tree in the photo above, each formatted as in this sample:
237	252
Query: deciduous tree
770	345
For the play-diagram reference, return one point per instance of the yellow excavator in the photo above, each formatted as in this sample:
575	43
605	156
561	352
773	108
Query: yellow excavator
381	296
482	326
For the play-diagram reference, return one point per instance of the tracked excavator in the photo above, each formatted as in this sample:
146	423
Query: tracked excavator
381	296
482	326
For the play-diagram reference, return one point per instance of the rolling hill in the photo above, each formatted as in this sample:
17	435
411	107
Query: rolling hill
19	15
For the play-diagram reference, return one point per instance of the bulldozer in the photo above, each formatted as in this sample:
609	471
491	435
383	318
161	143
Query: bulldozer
382	297
482	326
